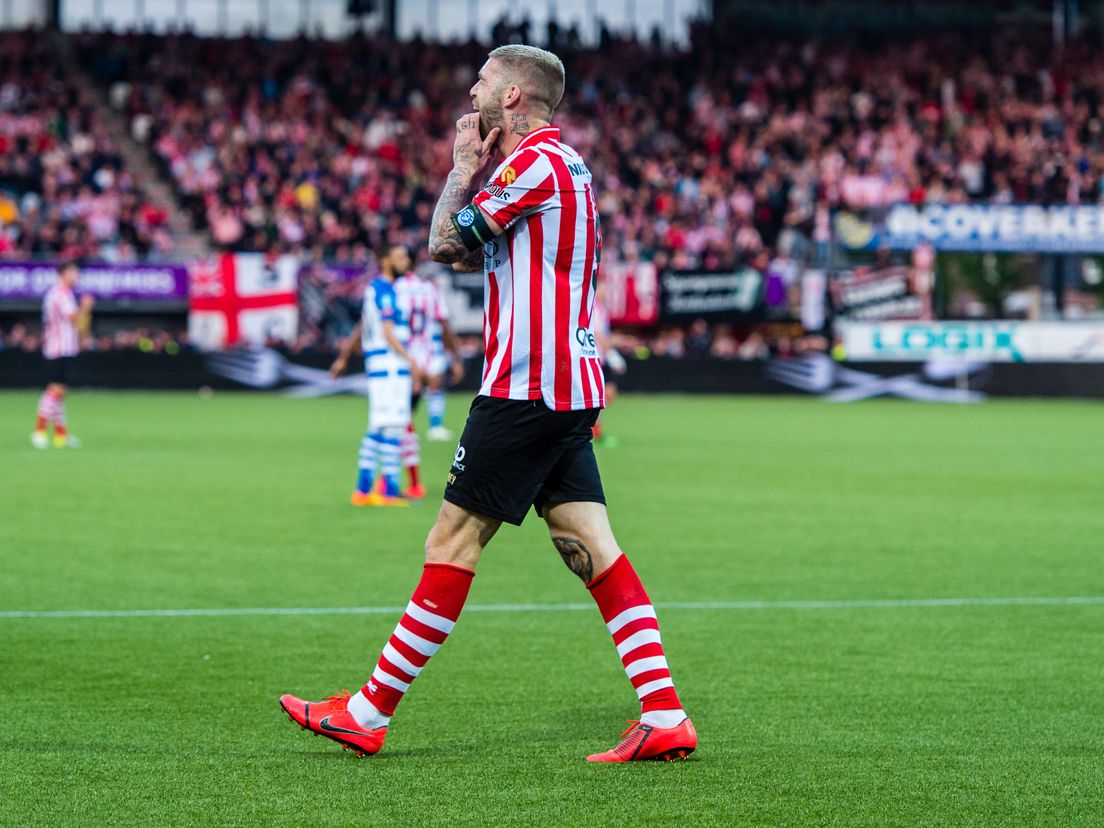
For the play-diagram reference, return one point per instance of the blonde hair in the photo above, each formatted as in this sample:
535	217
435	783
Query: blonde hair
539	72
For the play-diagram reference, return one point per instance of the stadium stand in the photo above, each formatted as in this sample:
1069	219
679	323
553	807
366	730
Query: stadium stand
323	146
707	158
64	187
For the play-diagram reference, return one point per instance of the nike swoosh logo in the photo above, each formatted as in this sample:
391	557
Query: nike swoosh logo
329	728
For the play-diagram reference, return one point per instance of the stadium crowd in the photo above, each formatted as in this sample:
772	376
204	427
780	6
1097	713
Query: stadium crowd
64	189
705	157
736	151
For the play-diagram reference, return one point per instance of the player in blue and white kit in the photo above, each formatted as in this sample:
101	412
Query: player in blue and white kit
383	334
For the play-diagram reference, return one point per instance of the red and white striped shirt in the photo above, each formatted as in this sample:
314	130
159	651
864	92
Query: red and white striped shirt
59	332
421	302
540	278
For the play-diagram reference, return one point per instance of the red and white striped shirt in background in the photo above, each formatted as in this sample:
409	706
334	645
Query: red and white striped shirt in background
540	278
421	302
59	333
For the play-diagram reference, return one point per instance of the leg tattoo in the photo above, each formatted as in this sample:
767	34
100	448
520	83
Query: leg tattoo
576	556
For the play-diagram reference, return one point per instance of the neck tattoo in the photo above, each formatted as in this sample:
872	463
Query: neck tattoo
519	123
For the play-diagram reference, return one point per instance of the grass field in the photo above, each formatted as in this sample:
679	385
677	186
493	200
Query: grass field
820	698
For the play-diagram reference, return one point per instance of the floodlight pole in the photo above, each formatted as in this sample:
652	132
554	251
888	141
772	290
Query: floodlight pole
390	18
1065	19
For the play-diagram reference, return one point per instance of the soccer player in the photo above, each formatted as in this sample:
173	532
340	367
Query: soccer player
382	333
527	441
63	319
443	355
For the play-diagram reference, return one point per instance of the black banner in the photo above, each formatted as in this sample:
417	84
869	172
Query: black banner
716	297
807	376
886	293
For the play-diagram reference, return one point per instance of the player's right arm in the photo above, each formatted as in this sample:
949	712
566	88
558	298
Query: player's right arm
471	263
455	221
351	344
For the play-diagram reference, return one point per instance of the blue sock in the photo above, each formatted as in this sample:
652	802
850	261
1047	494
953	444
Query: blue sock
435	407
390	464
366	462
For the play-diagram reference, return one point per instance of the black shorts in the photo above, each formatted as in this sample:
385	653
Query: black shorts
61	370
514	454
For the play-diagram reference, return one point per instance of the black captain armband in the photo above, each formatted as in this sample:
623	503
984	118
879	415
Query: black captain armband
472	227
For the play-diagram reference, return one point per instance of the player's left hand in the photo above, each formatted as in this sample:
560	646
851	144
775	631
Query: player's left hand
456	371
470	153
87	301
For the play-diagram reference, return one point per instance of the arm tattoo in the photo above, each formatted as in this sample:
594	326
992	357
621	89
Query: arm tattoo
519	123
472	261
576	556
444	240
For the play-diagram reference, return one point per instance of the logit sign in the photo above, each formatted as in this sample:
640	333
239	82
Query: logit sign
989	341
1008	228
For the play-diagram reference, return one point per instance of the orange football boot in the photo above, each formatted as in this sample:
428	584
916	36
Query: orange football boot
359	498
331	719
415	491
643	742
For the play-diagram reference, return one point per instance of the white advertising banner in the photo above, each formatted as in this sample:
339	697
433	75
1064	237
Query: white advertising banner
1060	228
984	341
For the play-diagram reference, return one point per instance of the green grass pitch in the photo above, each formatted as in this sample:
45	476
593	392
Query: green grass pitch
849	713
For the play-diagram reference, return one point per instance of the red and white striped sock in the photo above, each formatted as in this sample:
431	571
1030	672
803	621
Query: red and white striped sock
45	403
411	456
427	622
52	407
631	620
60	424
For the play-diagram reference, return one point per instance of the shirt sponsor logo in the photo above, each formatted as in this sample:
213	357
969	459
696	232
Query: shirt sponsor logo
508	176
588	346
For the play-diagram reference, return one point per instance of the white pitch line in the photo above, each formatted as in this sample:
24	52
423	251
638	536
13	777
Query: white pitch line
874	603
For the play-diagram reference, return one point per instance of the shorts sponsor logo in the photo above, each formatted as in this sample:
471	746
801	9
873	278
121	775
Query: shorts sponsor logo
466	217
450	479
458	460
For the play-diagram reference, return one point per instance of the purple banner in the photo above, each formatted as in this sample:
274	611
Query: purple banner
333	272
130	282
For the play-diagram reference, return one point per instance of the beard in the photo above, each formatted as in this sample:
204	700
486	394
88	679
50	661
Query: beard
488	121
